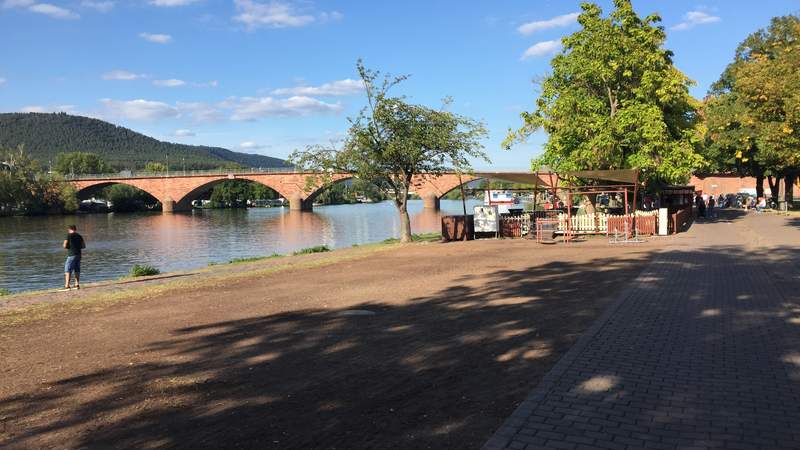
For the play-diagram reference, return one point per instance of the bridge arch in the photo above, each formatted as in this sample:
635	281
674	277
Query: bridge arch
91	188
185	202
309	200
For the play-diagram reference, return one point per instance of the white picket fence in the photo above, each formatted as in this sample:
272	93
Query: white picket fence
598	222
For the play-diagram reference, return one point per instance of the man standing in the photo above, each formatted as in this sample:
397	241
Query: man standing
74	244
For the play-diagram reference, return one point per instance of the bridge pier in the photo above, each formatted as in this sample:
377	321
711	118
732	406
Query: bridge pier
168	205
298	203
431	201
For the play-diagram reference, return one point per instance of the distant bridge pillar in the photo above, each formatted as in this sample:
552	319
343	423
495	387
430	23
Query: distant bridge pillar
297	203
168	205
431	201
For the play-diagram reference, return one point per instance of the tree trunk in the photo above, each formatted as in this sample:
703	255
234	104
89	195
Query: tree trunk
773	187
405	224
790	189
759	185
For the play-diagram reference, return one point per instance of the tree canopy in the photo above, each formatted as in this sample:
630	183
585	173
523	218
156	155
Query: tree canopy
753	111
81	163
392	140
614	100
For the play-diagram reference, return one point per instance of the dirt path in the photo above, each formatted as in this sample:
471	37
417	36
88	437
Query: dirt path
423	346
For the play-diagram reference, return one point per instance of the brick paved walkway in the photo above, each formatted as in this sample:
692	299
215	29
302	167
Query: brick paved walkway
702	351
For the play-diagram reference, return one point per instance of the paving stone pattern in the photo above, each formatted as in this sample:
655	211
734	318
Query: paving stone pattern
701	351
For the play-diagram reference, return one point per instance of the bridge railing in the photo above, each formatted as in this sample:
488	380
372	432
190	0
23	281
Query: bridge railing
180	173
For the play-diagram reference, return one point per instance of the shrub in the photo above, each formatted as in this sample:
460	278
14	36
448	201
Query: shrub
317	249
253	258
4	291
143	271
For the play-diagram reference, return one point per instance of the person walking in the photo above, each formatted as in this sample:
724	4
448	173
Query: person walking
711	204
74	244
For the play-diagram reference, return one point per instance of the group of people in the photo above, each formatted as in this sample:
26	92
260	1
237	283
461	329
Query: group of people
706	203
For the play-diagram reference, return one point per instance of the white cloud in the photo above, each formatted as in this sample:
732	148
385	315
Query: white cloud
48	108
543	48
171	3
250	145
2	81
183	133
56	12
139	109
172	82
252	108
200	112
157	38
17	3
693	18
123	75
341	87
99	6
555	22
277	14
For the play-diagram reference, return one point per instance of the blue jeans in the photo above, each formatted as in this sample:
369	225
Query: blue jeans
73	264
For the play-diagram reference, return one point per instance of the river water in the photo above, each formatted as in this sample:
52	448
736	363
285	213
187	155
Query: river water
31	256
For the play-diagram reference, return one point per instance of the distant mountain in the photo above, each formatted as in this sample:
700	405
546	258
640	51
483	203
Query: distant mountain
46	135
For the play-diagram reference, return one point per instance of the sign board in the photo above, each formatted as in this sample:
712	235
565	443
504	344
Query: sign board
487	219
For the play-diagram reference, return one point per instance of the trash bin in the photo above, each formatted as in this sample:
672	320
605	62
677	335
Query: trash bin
453	228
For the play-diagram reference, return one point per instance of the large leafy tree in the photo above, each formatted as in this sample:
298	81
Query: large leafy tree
754	109
391	141
81	163
614	100
25	189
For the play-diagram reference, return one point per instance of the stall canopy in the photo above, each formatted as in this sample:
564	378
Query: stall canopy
540	179
626	176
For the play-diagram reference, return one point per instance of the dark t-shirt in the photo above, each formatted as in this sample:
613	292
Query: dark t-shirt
74	244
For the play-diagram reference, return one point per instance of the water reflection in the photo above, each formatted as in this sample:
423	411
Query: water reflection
31	256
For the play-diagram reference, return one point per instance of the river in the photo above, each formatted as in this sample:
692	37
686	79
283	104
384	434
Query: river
31	256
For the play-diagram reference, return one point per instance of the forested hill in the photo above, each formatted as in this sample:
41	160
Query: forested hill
46	135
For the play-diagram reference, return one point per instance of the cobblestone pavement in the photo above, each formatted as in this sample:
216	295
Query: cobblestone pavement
701	351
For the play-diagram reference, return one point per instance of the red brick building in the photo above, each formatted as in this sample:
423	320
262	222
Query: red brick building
730	184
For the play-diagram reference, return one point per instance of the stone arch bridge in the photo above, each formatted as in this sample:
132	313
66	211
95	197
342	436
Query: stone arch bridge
176	191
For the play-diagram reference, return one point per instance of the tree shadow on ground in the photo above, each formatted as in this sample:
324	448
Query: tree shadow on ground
441	371
437	372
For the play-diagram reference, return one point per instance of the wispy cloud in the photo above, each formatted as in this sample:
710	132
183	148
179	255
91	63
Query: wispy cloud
157	38
336	88
171	3
123	75
139	109
543	48
99	6
47	9
278	14
694	18
172	82
183	133
251	145
555	22
2	81
252	108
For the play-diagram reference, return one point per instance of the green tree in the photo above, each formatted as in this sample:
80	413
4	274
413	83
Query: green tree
754	116
236	193
24	188
125	198
81	163
614	100
151	166
391	141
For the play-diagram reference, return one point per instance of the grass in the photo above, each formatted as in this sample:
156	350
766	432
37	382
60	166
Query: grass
424	237
4	291
309	250
143	270
249	259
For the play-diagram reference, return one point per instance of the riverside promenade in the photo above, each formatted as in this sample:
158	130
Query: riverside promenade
701	351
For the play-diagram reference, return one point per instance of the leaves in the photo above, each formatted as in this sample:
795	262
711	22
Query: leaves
614	100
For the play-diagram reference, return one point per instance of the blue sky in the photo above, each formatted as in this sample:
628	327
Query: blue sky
271	76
